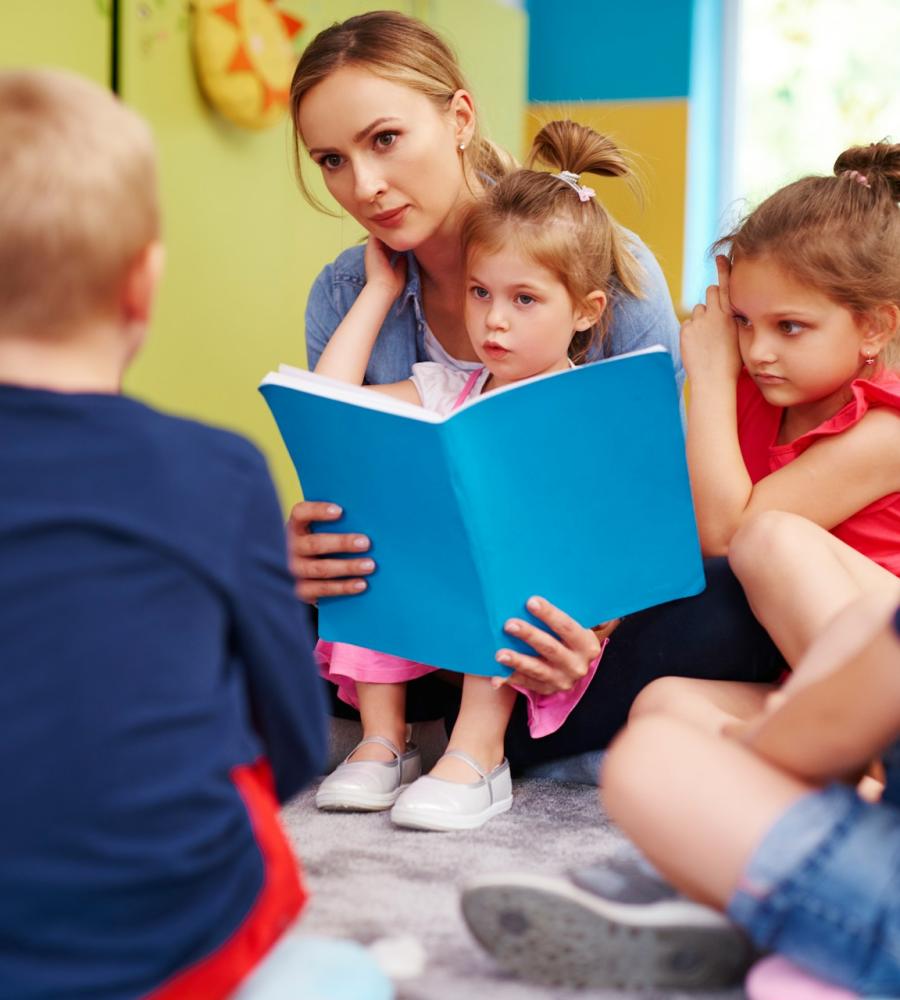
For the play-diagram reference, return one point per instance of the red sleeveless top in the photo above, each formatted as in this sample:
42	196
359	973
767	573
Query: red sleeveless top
875	530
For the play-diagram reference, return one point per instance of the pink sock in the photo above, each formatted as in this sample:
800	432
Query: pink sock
775	978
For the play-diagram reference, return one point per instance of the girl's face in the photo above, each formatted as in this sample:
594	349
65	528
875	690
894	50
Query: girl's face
519	316
389	157
800	347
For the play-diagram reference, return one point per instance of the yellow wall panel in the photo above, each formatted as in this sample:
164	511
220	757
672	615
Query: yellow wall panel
493	57
240	243
69	34
655	133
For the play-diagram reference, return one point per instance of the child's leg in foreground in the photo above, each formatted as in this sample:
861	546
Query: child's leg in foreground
737	788
479	730
707	808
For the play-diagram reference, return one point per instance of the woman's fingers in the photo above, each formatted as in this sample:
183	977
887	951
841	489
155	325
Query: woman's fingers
573	636
329	569
325	543
532	673
310	591
316	576
307	511
562	658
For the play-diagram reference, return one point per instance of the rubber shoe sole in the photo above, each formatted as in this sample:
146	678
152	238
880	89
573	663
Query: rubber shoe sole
549	931
356	801
448	822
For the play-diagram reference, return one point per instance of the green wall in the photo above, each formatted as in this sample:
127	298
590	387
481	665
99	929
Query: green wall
72	34
243	247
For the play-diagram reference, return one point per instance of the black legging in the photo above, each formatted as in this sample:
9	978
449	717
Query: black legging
713	635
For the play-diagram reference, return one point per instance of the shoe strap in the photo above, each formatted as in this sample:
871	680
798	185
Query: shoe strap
467	759
382	741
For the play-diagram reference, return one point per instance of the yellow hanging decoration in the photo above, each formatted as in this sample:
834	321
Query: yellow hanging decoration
244	58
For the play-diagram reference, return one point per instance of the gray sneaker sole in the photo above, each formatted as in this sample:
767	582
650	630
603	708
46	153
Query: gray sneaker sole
546	930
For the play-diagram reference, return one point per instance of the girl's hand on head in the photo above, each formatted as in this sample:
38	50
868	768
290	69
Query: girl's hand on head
709	339
317	576
560	660
723	276
380	272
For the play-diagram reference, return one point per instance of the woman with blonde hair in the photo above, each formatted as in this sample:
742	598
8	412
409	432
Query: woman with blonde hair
381	107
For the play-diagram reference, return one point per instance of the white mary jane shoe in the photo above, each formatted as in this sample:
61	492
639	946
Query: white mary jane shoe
370	785
438	804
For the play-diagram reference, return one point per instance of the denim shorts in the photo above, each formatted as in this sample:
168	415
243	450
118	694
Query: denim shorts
823	889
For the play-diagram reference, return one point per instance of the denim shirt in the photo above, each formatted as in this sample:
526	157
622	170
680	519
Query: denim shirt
634	324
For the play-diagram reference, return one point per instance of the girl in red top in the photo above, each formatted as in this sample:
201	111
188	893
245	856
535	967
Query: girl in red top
794	419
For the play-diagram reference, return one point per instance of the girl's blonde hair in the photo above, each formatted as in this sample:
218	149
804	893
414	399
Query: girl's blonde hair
400	49
577	240
839	234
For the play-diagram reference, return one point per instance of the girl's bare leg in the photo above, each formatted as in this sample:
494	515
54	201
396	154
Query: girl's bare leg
850	630
797	576
696	804
708	705
382	708
480	729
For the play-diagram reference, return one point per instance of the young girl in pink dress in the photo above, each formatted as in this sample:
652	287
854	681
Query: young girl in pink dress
542	260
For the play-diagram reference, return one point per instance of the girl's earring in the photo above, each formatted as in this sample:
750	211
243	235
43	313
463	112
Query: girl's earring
462	147
869	361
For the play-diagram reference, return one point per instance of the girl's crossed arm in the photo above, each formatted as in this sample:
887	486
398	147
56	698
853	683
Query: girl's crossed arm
346	355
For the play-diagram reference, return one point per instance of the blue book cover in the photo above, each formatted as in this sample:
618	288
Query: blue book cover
573	486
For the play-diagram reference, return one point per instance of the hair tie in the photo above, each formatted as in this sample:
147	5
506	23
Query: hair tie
855	175
584	193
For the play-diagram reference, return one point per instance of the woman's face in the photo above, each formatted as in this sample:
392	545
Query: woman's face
389	157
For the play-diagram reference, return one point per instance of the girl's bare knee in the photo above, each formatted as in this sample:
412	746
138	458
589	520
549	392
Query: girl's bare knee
760	539
660	697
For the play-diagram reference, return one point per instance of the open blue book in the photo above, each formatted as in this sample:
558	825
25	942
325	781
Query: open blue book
572	486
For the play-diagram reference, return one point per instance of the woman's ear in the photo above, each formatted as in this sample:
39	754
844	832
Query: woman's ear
462	111
591	310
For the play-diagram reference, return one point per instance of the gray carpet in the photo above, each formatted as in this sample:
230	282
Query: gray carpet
370	880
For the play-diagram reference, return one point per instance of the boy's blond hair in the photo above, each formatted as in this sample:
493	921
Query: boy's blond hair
78	200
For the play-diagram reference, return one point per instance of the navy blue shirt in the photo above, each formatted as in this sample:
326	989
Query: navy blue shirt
150	643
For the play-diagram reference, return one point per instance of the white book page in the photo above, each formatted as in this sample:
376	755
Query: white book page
359	395
321	385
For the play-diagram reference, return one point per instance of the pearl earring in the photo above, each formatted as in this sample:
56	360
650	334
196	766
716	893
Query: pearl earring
869	361
462	147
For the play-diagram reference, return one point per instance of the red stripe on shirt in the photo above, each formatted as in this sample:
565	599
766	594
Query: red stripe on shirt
280	899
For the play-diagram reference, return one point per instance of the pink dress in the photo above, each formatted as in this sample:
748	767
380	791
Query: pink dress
875	530
442	389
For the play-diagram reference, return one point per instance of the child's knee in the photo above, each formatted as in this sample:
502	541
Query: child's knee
761	539
663	696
